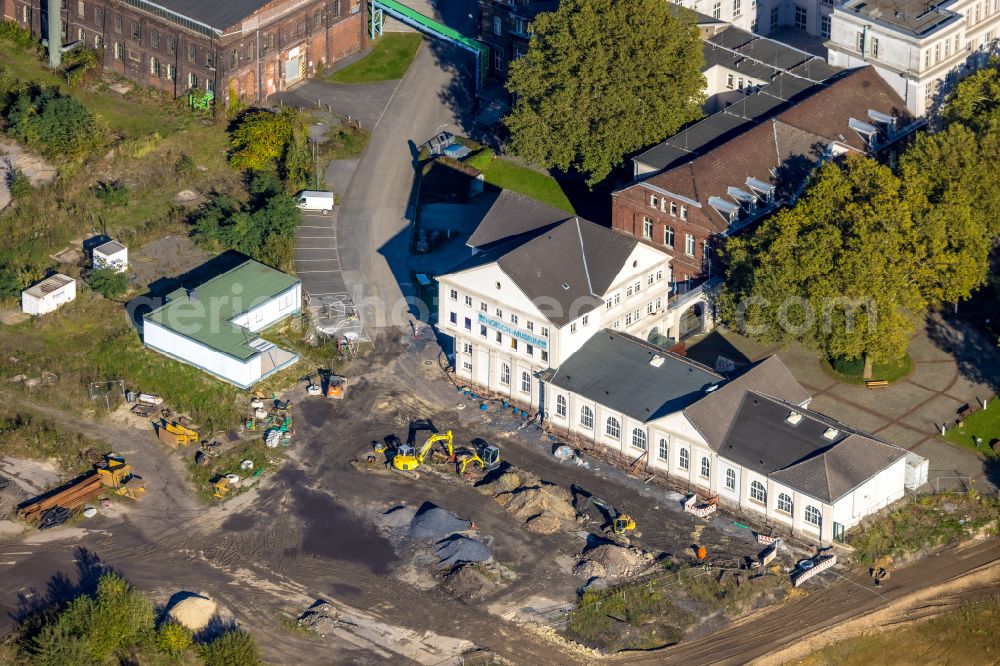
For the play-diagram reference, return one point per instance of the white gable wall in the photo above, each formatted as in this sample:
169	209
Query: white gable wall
241	373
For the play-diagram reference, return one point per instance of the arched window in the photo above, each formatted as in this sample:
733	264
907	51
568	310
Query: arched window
706	467
639	438
505	374
561	406
586	417
813	516
731	479
525	382
685	459
785	503
758	492
664	449
613	428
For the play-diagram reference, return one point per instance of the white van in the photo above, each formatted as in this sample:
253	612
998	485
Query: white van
310	200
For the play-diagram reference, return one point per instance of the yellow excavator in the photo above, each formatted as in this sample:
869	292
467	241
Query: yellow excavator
480	453
406	459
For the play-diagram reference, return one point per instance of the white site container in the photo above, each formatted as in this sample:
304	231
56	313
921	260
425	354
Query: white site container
49	294
111	255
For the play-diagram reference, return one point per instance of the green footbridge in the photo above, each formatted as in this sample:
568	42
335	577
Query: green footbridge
380	8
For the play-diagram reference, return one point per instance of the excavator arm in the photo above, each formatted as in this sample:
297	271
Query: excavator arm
445	439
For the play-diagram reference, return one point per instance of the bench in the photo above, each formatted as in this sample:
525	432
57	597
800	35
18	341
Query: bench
877	383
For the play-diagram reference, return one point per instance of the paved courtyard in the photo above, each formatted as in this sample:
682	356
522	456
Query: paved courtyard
952	367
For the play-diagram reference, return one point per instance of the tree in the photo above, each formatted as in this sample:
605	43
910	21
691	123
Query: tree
260	138
847	269
18	183
42	116
108	282
601	79
976	99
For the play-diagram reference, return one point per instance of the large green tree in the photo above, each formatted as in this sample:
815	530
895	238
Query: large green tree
601	79
847	269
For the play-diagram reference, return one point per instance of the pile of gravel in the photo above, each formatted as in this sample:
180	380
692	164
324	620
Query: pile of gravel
458	549
194	612
613	561
434	523
396	517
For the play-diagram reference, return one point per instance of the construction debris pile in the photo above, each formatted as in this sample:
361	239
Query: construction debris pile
545	508
431	522
460	549
612	562
322	618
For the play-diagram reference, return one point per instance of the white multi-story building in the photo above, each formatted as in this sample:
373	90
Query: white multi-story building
919	48
749	439
538	288
765	16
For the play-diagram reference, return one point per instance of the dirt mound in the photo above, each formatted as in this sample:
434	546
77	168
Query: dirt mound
545	509
617	561
459	549
505	483
587	569
194	612
472	581
396	517
434	523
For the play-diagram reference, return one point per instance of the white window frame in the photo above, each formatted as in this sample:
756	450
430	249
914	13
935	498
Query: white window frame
639	440
613	428
525	382
706	468
813	516
758	492
497	25
684	458
784	503
505	374
731	478
663	452
561	406
587	417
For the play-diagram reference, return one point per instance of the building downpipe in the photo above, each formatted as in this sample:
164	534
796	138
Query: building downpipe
55	33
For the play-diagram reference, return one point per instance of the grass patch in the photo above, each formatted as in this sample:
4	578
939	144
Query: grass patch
636	618
229	463
984	424
110	349
390	58
851	371
25	435
508	175
963	636
931	521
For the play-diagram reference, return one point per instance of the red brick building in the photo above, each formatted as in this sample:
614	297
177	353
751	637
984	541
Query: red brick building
253	47
748	168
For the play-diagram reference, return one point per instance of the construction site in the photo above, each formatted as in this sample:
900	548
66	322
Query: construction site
348	504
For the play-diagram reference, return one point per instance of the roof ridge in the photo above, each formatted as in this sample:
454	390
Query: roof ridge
583	256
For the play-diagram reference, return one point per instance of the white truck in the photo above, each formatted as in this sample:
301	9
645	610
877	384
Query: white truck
312	200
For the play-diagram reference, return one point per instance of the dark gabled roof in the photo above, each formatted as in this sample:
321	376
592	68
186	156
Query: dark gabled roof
713	415
760	438
822	108
511	215
614	370
564	269
218	14
567	270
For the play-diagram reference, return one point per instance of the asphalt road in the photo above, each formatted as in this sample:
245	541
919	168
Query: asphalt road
376	211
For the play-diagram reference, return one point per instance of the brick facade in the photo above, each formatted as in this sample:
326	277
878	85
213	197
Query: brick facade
671	218
503	26
269	49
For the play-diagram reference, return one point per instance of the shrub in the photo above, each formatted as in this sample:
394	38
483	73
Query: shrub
18	184
113	194
12	32
108	282
232	647
173	638
185	165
